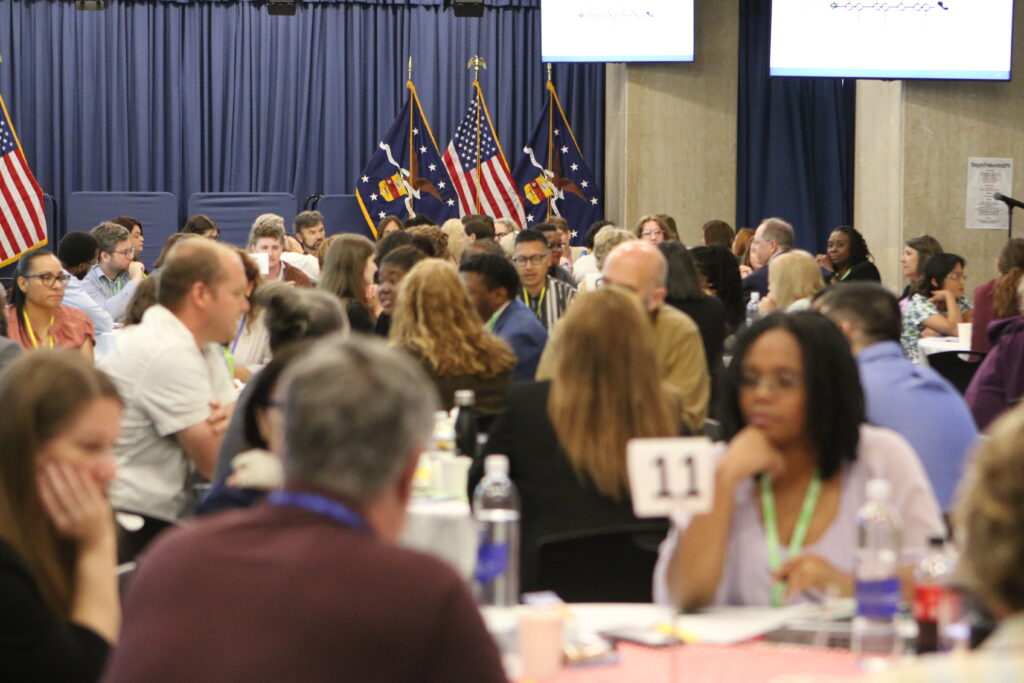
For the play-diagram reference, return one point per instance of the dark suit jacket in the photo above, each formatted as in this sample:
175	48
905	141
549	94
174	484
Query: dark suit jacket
554	499
755	282
518	325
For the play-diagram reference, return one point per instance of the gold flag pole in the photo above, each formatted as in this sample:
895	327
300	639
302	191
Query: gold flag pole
551	128
476	63
412	160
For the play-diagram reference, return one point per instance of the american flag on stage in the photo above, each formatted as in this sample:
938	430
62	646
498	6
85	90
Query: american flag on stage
485	187
22	222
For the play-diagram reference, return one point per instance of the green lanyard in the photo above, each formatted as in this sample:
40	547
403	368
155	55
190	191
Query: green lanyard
771	528
494	320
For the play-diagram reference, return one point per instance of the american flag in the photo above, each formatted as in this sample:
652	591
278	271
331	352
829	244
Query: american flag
22	222
487	188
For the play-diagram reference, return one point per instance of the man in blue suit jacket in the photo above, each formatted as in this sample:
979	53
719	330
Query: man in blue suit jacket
492	282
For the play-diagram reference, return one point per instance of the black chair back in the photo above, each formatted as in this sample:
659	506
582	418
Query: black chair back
957	366
611	564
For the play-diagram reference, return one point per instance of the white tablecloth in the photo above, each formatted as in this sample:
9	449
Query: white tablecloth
445	529
930	345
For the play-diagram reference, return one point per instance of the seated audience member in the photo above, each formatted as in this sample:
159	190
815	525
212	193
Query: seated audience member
566	233
793	279
250	348
720	276
848	257
556	252
604	242
134	228
325	246
388	225
566	438
654	228
348	274
718	232
503	227
916	252
394	240
429	239
492	282
142	300
308	227
292	253
291	315
203	226
36	319
741	247
169	245
683	291
999	381
773	236
267	237
989	528
10	350
114	278
938	304
793	414
436	323
546	296
356	417
482	247
170	369
998	298
58	546
457	240
420	221
393	267
77	253
912	400
641	268
586	264
477	226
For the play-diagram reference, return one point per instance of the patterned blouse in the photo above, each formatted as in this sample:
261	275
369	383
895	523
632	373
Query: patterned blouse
919	309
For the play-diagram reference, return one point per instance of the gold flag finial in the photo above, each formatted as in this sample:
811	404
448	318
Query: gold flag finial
549	71
410	67
476	63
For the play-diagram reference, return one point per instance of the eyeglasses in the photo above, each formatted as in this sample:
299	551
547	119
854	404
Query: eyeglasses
50	279
536	259
556	245
499	235
652	233
957	276
782	382
129	252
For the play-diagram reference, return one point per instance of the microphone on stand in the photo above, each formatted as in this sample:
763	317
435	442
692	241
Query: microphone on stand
1009	201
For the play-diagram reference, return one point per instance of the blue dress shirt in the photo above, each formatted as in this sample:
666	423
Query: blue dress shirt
76	296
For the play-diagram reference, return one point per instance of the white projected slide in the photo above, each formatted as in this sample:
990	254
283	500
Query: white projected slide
616	30
968	39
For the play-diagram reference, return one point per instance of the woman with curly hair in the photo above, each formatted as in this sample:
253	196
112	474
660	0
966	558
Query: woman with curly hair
998	298
435	322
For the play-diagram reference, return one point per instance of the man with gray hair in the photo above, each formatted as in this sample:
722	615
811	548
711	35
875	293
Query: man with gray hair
112	281
773	236
311	586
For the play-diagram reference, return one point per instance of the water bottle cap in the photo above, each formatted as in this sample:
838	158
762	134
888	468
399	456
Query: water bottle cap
936	541
465	397
496	464
755	297
879	490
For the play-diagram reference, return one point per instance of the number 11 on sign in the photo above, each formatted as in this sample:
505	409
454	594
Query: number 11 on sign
667	475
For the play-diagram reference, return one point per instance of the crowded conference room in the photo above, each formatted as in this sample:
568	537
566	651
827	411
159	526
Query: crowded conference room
568	341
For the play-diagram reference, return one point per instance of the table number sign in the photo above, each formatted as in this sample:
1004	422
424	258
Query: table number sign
666	475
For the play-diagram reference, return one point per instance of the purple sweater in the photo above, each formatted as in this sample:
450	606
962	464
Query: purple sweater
1000	379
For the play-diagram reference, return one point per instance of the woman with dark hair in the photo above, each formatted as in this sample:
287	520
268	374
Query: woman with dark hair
203	226
916	252
847	257
388	225
938	304
998	298
135	234
720	277
59	608
685	293
792	476
9	349
36	319
348	273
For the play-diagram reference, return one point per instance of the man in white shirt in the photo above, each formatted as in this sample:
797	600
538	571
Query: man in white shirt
267	236
112	282
171	372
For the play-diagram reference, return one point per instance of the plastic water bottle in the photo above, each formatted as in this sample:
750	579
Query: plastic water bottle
496	511
752	313
930	582
875	634
465	423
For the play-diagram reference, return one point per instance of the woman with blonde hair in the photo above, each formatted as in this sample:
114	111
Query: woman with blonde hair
58	544
793	279
566	438
456	233
348	274
435	322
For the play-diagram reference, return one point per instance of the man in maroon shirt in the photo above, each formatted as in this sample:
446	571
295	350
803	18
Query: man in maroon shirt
310	586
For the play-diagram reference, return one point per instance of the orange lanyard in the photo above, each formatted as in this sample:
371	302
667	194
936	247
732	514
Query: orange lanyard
31	332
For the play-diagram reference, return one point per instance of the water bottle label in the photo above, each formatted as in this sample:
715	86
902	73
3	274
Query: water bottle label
491	562
878	599
926	601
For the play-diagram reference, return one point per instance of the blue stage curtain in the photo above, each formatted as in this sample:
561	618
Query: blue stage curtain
201	96
795	142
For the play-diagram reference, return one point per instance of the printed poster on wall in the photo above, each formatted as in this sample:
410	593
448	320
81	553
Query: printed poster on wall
984	178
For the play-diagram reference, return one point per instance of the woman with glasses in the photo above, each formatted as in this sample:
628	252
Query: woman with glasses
938	304
35	318
791	478
654	228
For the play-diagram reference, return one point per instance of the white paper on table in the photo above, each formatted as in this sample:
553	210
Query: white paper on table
730	625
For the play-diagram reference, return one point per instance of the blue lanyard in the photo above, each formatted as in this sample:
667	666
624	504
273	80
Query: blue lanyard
319	505
238	335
